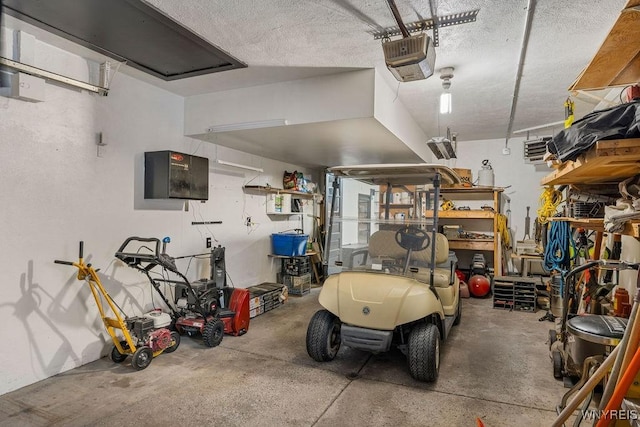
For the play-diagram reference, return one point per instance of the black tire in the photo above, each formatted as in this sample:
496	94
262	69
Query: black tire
553	337
142	358
116	356
213	333
557	364
323	336
458	313
424	352
175	337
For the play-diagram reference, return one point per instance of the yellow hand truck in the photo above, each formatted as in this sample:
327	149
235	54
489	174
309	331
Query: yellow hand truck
141	338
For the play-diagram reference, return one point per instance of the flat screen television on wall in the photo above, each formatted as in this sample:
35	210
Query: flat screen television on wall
173	175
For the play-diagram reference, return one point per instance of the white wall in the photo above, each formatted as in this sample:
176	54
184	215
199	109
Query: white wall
56	191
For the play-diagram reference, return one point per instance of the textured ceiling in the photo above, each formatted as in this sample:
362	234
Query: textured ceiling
320	35
283	40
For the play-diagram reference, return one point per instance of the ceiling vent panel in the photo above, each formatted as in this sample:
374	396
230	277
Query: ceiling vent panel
127	30
535	149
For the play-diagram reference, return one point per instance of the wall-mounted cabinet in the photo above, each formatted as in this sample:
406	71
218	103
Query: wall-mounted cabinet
173	175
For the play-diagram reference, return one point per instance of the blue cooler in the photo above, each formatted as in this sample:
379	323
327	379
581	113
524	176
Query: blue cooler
289	244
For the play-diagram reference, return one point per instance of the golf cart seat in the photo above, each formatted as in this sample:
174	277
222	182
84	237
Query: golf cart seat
383	247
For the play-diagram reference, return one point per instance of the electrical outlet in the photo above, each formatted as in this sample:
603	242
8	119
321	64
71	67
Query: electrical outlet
208	242
506	151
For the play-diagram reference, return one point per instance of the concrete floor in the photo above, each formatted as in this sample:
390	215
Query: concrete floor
495	366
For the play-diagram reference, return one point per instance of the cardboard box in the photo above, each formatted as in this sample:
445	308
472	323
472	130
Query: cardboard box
465	175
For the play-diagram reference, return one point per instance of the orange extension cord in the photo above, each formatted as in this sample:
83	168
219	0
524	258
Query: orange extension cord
621	389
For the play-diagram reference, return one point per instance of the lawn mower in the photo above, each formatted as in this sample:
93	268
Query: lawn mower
394	295
142	338
199	307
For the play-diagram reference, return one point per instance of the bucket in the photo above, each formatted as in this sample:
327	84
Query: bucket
289	244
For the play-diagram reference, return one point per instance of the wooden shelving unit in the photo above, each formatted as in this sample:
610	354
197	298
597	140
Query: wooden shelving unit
608	161
493	196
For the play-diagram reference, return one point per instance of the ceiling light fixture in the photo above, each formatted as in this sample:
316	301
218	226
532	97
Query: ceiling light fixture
239	166
446	74
248	125
444	147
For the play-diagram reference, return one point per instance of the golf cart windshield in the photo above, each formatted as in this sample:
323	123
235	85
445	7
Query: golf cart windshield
382	219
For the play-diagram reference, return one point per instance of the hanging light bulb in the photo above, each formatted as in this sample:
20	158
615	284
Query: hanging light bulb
445	102
446	74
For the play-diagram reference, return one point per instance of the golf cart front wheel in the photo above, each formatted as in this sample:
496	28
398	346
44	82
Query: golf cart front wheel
424	352
323	336
213	333
142	358
116	356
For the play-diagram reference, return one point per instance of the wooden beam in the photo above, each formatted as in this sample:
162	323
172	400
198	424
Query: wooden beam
616	62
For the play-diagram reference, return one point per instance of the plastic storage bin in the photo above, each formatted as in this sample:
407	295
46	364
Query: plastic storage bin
289	244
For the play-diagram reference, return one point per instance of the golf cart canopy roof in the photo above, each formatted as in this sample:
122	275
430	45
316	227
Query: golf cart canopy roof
397	173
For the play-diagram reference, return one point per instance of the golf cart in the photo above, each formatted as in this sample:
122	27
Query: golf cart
391	277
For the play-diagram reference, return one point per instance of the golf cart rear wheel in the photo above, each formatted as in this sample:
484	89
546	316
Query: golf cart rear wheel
116	356
323	336
213	333
458	313
175	337
557	364
424	352
142	358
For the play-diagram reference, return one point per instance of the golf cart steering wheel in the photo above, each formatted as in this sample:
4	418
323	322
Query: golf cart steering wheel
412	238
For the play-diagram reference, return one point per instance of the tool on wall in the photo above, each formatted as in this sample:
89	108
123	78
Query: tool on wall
527	225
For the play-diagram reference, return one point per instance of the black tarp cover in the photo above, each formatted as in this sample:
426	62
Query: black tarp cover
619	122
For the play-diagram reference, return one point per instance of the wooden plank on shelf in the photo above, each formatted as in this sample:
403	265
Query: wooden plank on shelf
266	189
472	214
476	245
595	224
617	61
462	190
599	164
619	147
631	228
